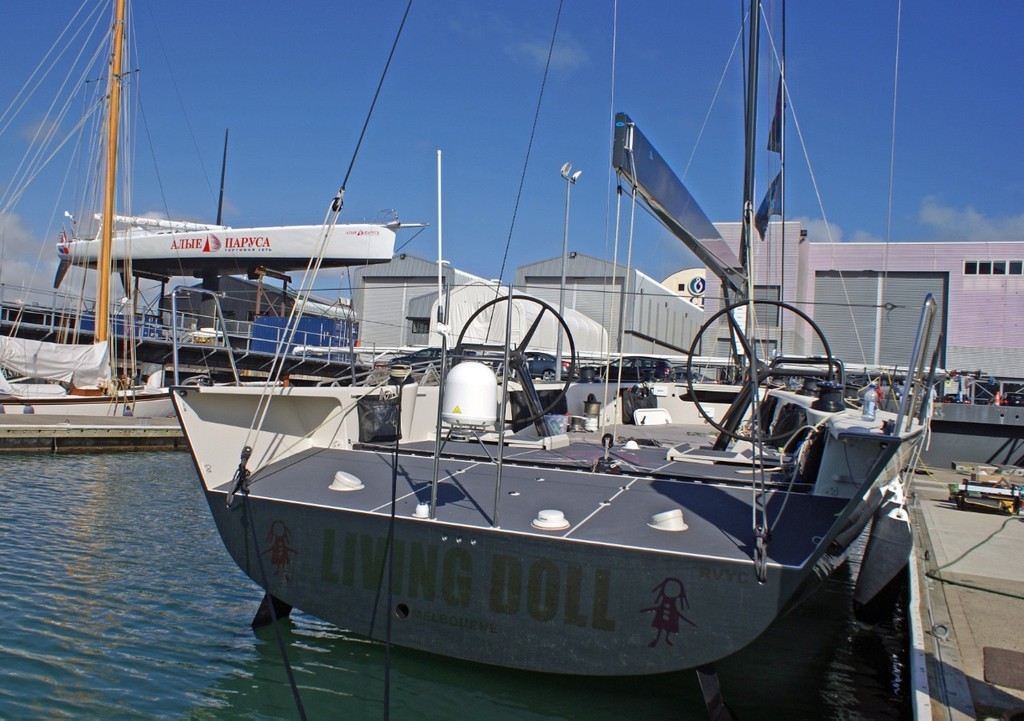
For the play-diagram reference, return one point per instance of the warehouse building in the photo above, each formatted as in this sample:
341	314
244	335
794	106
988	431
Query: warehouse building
867	298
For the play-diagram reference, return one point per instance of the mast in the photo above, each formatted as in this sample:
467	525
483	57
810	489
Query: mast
107	233
750	128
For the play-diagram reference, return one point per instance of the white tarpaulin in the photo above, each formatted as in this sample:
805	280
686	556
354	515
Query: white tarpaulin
82	365
489	327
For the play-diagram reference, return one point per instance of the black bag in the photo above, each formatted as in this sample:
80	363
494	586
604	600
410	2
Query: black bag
380	419
636	397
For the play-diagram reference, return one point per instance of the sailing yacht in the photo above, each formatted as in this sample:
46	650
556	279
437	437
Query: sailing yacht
457	519
72	379
76	379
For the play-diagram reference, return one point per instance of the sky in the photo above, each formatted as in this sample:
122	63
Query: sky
293	83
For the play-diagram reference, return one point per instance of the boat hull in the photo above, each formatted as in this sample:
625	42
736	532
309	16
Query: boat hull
607	593
964	433
506	599
155	404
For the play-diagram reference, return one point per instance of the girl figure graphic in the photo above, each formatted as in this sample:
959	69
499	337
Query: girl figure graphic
279	550
669	604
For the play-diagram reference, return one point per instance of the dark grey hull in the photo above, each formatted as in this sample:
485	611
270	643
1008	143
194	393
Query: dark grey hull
587	604
975	434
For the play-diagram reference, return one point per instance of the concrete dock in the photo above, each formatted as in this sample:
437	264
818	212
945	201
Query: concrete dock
967	606
75	434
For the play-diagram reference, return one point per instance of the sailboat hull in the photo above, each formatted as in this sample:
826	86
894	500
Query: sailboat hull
558	562
143	404
486	579
508	599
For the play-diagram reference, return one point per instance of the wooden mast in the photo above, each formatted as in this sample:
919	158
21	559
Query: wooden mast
107	234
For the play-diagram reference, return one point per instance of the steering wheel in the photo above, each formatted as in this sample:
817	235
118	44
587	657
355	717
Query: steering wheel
517	355
749	394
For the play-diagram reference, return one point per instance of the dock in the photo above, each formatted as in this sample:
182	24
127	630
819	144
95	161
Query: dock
967	605
76	434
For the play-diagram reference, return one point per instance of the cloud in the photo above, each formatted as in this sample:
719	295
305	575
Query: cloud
567	55
967	223
46	128
820	231
25	261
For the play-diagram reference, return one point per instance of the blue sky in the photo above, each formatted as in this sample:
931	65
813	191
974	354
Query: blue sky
293	82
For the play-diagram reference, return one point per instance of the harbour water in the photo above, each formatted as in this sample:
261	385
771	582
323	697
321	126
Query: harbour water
119	601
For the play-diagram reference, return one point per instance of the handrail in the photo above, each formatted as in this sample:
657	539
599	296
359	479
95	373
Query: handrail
182	289
912	391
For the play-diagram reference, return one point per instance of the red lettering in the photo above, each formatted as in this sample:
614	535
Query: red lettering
246	243
186	243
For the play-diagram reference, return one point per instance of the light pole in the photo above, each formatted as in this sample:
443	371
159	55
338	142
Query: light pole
570	180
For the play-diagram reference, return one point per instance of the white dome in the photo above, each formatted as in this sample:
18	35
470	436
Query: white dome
470	395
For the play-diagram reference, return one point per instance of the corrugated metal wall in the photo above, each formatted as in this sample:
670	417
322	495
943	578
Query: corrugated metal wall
589	296
871	317
657	320
906	293
845	308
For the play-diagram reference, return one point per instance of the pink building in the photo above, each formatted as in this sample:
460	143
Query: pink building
867	297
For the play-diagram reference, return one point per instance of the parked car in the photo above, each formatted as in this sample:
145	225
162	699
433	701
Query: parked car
420	359
1013	399
544	365
641	368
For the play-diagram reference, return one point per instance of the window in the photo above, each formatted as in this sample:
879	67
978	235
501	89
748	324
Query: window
994	267
420	325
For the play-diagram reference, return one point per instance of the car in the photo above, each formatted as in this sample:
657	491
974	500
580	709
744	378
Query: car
424	358
641	368
420	359
544	366
1013	399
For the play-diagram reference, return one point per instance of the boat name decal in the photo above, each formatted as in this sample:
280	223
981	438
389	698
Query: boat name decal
261	242
211	243
362	231
541	589
669	603
188	243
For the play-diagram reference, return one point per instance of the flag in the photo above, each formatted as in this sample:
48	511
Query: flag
775	131
771	205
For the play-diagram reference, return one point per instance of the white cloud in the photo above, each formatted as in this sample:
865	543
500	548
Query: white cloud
567	55
820	231
968	224
25	261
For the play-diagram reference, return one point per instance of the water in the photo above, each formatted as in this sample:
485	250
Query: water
119	601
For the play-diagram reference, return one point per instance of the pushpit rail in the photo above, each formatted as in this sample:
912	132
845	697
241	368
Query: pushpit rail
914	391
185	290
